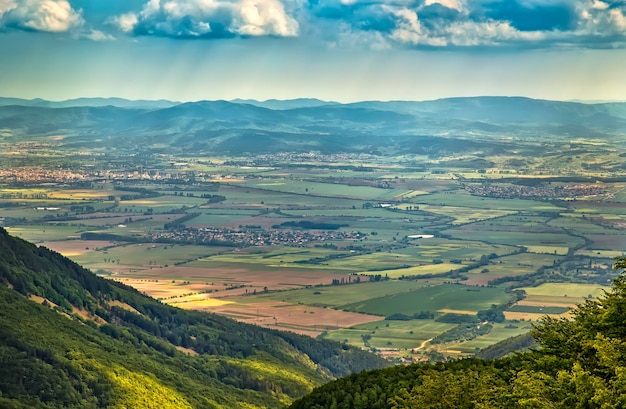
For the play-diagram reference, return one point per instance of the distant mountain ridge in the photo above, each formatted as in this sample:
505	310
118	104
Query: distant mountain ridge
89	102
311	125
278	104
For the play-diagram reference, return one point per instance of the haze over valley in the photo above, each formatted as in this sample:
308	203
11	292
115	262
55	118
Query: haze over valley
384	225
312	204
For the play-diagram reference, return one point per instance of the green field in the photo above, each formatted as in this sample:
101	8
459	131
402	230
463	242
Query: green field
432	298
391	334
274	256
336	296
160	204
523	263
516	238
538	310
462	215
466	251
464	199
40	233
473	239
142	255
499	332
327	189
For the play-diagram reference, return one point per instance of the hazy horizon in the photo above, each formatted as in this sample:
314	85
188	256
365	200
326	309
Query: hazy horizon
243	100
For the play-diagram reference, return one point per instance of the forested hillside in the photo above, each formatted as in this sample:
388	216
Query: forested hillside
580	364
82	341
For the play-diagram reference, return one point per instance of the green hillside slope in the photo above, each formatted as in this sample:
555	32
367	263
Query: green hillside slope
581	363
69	339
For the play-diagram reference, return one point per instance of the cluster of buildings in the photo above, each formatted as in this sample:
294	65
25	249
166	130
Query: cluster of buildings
286	157
543	191
252	237
30	175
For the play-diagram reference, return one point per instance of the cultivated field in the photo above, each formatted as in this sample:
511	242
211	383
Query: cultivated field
330	245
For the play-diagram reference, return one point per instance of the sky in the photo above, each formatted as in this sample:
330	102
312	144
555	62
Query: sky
339	50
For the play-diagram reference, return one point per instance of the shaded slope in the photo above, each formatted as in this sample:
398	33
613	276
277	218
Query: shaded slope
86	347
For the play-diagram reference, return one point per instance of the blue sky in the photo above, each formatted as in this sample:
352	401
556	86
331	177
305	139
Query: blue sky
343	50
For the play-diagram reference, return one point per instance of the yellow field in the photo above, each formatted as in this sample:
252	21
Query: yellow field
565	290
416	271
27	192
449	311
409	194
561	251
196	302
164	289
523	316
79	194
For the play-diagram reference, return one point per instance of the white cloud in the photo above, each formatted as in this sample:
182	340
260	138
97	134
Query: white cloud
263	17
409	30
584	23
470	33
97	35
616	16
192	18
600	20
6	6
451	4
40	15
599	5
126	22
375	24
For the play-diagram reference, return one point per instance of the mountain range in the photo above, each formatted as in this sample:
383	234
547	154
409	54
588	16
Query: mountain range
304	125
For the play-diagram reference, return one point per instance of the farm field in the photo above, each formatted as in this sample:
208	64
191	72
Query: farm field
511	266
499	332
330	246
464	199
432	298
391	334
298	318
513	237
566	290
328	189
42	233
340	295
463	215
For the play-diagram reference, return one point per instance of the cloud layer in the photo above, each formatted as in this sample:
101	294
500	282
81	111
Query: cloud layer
52	16
463	23
371	23
209	19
